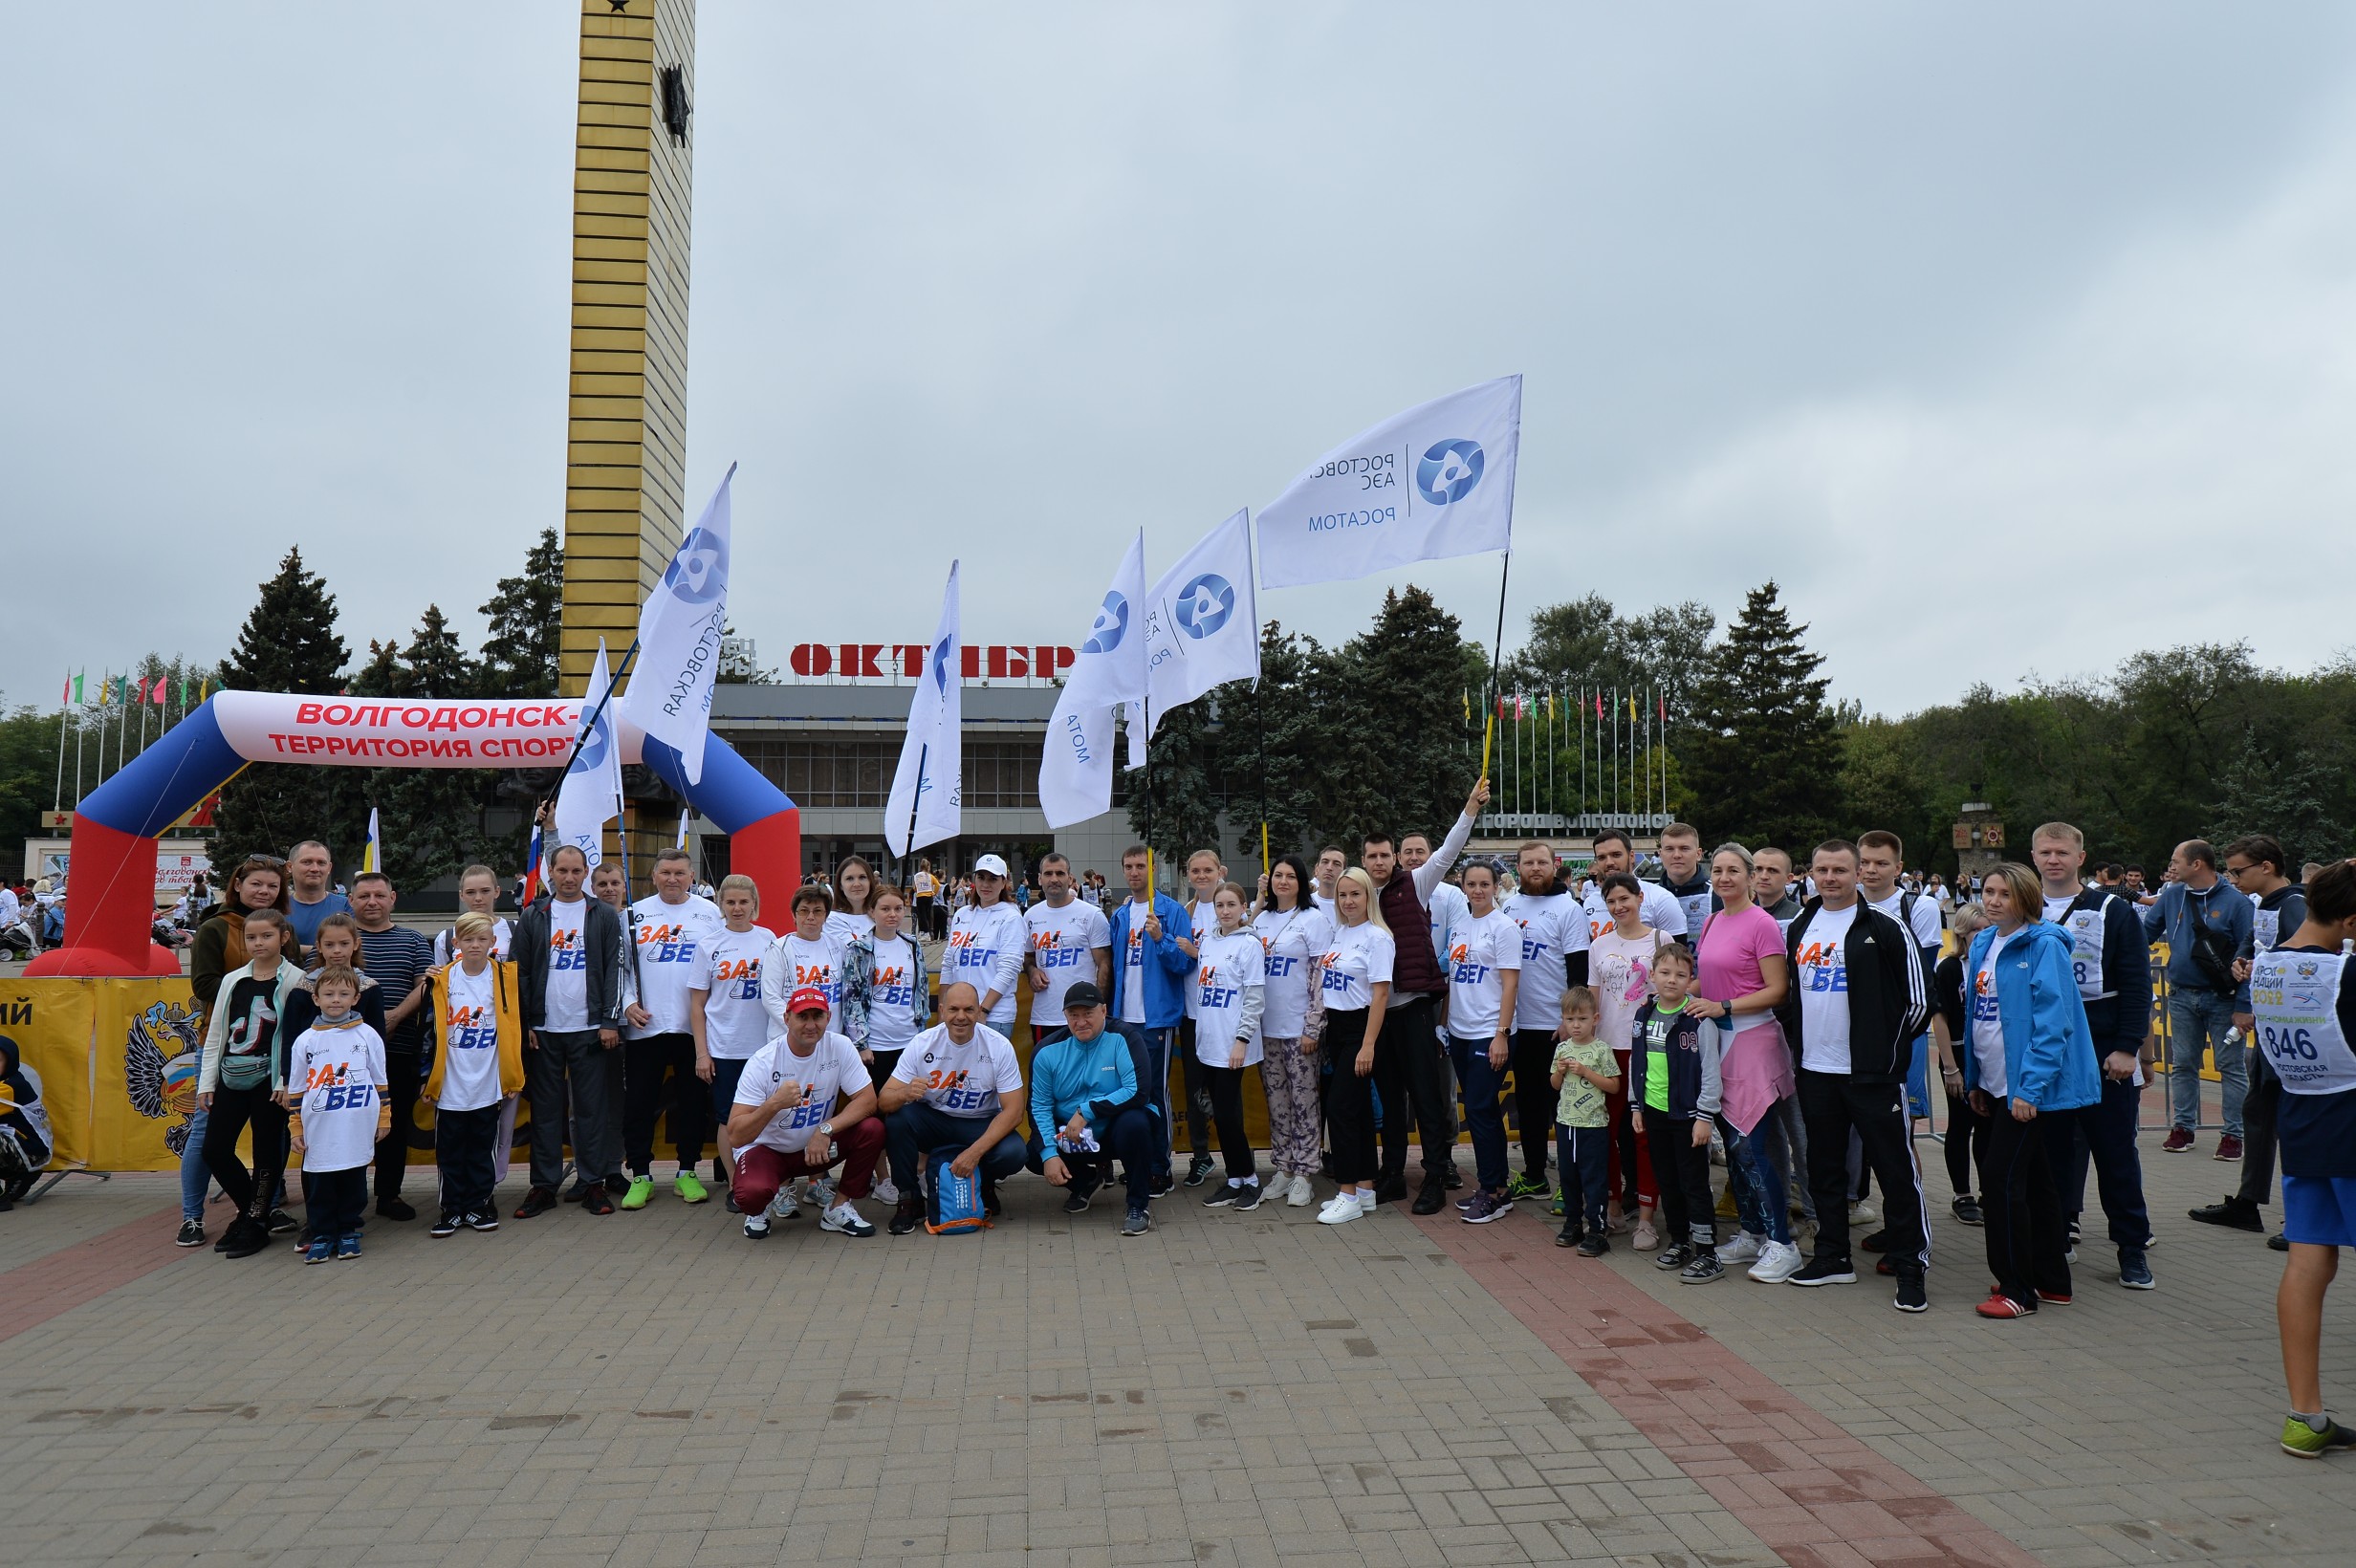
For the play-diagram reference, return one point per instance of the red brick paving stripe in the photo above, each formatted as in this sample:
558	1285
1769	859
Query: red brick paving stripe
31	1293
1816	1496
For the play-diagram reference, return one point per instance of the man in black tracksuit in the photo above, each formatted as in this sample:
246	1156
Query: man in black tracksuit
1858	1000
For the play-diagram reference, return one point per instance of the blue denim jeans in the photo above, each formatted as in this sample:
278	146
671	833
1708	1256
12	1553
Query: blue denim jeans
2198	1020
195	1176
1757	1186
1484	1114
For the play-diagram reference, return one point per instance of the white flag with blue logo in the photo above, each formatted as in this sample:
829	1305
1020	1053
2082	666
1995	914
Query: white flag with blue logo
1076	771
591	794
1202	621
679	639
928	784
1435	481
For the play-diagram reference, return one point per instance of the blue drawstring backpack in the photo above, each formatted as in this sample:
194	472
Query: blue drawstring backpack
956	1200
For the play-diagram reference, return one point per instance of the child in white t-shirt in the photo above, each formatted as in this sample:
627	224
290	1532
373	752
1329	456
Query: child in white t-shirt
724	1008
336	1078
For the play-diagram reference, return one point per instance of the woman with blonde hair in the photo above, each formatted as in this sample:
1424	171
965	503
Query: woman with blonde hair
1967	1130
1357	972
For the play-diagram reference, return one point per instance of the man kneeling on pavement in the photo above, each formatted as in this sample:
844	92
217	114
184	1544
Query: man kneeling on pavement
804	1106
956	1093
1088	1112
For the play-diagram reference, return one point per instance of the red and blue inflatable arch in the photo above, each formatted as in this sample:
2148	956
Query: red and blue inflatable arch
111	877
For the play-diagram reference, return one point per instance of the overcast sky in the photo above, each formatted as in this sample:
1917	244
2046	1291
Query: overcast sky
2009	339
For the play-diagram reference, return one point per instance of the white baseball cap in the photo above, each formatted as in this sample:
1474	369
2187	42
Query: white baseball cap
990	863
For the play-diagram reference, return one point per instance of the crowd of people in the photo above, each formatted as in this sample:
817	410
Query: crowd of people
1771	1016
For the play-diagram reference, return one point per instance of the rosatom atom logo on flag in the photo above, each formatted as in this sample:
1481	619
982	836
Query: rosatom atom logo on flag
1112	624
940	664
1448	472
1204	606
593	745
699	572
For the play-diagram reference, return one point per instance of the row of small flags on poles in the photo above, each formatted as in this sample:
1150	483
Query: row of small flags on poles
132	688
1517	707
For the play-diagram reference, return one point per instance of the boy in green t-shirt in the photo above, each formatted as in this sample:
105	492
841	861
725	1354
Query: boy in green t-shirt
1584	1072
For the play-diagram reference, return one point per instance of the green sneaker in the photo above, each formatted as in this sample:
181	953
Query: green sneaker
2301	1441
1525	1187
642	1187
1556	1208
689	1189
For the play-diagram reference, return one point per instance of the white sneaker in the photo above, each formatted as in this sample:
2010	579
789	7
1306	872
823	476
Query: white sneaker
1743	1248
1778	1261
757	1227
822	1194
783	1206
843	1220
1342	1210
1303	1195
886	1191
1863	1213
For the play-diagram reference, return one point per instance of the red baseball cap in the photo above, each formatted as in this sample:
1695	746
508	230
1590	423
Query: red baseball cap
808	999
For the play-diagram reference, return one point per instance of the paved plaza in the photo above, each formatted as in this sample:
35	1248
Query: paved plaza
1253	1389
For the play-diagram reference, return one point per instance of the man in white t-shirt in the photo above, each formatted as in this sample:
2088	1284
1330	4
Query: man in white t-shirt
987	941
1552	928
1331	862
803	1106
1614	852
1858	1001
957	1092
1070	941
667	929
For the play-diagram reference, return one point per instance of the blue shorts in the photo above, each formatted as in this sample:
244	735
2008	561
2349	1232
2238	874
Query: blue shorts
725	1072
2319	1211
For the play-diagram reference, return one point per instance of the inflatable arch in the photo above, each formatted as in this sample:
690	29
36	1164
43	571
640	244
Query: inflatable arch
110	881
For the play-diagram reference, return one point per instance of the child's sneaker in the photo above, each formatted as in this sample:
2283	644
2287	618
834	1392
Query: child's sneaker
446	1225
347	1247
642	1188
1675	1257
1569	1235
1595	1246
1704	1268
1524	1186
689	1188
483	1219
319	1251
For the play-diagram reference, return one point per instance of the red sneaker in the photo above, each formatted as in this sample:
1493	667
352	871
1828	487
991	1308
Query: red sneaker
2047	1297
2229	1147
2179	1140
2000	1305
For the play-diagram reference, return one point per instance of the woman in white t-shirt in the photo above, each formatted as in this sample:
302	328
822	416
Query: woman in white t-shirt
856	886
1231	991
1484	976
1295	934
1355	982
725	1012
1620	970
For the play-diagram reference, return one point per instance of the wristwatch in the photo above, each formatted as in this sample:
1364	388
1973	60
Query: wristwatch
826	1130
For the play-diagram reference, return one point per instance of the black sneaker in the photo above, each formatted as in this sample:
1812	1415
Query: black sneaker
579	1191
1431	1199
1139	1222
1911	1297
483	1219
1967	1211
1704	1269
2278	1242
992	1209
538	1201
1675	1257
446	1225
1595	1246
1162	1187
1390	1188
1252	1194
1874	1242
1198	1171
1450	1177
1823	1271
1568	1236
907	1217
244	1238
281	1223
1225	1194
1076	1203
394	1209
192	1234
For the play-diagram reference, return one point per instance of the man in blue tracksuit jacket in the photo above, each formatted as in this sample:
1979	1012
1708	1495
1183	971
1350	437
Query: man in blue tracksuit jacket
2207	925
1084	1090
2110	963
1150	973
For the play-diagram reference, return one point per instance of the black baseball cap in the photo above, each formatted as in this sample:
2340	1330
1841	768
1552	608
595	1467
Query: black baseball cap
1082	995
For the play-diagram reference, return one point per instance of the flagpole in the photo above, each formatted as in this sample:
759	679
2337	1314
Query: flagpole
582	732
1496	685
1260	701
62	711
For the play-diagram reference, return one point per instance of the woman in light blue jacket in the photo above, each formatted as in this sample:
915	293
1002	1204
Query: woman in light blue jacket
2027	1053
